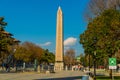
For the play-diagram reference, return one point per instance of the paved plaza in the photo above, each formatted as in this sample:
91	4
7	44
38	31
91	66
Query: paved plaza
62	75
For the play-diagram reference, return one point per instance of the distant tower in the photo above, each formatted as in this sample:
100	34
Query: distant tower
59	41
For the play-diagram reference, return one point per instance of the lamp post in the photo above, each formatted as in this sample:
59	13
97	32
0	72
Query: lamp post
95	40
89	64
94	65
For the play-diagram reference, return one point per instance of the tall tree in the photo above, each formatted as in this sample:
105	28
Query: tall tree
2	34
6	39
102	35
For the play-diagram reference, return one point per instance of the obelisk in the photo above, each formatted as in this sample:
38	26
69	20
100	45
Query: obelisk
59	41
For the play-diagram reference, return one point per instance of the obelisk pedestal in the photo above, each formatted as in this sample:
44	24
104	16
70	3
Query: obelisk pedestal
59	42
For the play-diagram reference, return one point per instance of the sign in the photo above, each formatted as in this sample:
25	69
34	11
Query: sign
112	63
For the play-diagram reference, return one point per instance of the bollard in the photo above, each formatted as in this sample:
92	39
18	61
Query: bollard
66	68
38	69
35	64
72	68
24	67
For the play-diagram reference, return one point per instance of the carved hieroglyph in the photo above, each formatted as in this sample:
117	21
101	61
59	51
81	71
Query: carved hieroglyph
59	41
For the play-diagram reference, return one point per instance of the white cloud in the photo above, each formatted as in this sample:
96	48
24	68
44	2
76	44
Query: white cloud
70	41
46	44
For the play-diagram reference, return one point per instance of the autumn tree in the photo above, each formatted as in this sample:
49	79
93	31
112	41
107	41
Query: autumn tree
22	54
69	57
28	52
34	49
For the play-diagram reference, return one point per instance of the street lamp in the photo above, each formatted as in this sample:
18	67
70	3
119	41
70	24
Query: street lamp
89	64
94	65
95	40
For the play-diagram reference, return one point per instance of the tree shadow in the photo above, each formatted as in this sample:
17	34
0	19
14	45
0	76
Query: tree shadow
64	78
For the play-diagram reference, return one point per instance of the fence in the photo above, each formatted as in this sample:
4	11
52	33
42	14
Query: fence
33	67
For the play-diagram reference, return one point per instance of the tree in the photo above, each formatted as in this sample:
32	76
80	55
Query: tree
118	56
28	52
6	40
47	57
105	28
96	7
35	51
3	36
82	59
86	60
69	57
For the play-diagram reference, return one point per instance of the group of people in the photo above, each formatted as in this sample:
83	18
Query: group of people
6	66
77	67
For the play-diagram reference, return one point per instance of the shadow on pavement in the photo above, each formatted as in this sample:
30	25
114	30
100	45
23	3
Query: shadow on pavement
65	78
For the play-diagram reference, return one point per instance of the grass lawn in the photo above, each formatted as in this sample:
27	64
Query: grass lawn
107	78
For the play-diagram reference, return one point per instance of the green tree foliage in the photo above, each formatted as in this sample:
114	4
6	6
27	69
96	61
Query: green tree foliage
82	59
86	60
6	40
102	35
47	57
3	36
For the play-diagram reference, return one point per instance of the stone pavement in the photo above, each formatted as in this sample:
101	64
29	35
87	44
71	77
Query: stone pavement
62	75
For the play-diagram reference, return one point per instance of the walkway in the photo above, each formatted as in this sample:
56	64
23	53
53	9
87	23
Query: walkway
63	75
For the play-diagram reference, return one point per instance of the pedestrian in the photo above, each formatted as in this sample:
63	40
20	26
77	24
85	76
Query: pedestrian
7	68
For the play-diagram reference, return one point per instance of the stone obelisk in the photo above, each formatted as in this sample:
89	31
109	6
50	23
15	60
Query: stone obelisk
59	41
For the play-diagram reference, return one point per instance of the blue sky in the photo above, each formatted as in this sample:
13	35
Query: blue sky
35	21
